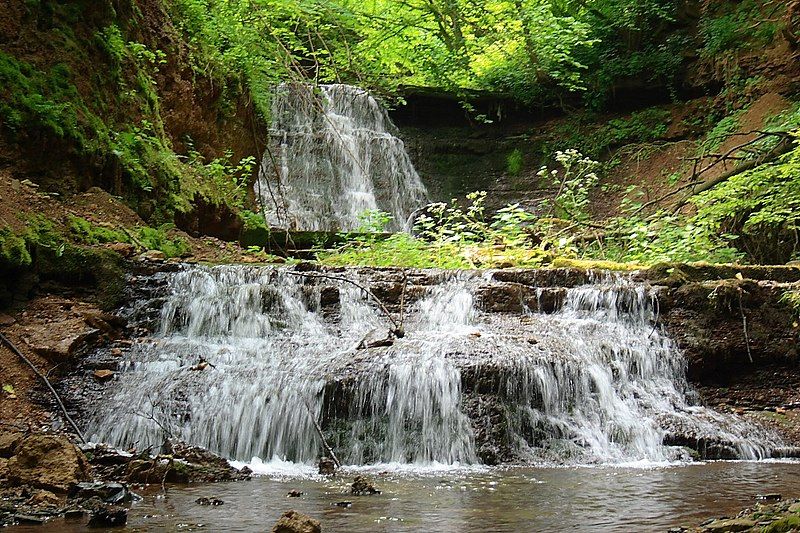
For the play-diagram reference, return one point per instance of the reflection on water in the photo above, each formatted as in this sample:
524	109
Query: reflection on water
501	500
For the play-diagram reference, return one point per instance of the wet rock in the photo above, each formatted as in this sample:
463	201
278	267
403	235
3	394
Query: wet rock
153	255
181	463
73	514
108	516
771	497
209	501
327	467
107	492
296	522
8	442
44	498
294	493
246	471
103	375
362	487
122	248
730	525
489	455
344	504
60	341
26	519
50	462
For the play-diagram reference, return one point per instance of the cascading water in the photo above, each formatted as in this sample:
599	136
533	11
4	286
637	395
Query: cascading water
594	381
334	156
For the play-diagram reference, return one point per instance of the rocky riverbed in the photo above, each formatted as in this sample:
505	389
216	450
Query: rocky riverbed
44	475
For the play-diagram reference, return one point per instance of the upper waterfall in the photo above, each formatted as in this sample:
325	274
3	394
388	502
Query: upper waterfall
333	155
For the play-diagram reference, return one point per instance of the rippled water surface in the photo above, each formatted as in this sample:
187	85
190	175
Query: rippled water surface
529	499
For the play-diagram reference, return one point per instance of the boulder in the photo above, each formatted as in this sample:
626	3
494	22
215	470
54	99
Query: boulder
362	487
122	248
296	522
49	462
61	339
153	255
108	492
327	467
209	501
108	516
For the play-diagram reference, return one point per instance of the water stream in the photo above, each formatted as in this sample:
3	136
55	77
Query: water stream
498	500
333	155
593	381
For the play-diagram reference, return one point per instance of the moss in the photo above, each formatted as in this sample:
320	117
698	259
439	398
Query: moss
85	232
159	239
787	523
562	262
14	253
679	273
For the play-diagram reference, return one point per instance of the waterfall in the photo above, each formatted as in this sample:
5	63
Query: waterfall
334	155
593	381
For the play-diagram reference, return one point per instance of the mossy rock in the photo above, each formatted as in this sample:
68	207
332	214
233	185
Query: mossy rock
674	274
787	523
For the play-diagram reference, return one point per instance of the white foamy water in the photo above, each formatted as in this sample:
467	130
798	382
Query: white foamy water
594	382
334	155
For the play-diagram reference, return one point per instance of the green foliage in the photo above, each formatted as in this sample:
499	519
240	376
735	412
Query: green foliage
514	162
792	299
737	25
159	239
641	126
32	99
580	131
13	251
661	238
761	207
449	236
85	232
573	182
373	221
219	182
721	132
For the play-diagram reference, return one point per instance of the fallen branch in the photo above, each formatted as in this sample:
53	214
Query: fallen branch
46	381
744	326
397	328
782	148
322	437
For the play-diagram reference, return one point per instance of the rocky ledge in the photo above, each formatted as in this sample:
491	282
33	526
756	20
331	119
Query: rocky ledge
768	515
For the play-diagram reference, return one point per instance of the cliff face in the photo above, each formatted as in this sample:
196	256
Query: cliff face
109	94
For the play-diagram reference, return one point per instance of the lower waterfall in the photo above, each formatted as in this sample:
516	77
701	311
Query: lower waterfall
593	380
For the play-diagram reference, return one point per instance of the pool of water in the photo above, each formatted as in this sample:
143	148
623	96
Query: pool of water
498	500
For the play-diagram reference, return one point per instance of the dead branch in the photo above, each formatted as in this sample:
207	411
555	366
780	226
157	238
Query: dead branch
396	327
699	186
783	147
401	330
322	437
46	381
